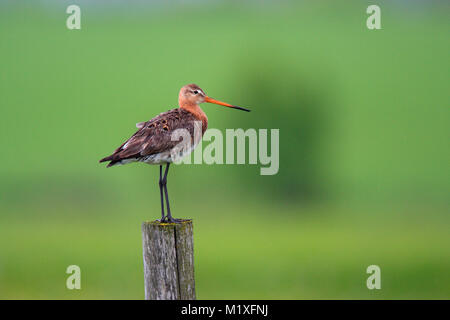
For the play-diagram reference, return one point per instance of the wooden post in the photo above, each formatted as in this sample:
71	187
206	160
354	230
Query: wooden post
168	260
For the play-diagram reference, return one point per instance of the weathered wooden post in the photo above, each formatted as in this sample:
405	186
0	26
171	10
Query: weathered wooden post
168	250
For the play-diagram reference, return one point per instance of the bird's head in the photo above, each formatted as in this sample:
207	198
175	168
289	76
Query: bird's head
192	94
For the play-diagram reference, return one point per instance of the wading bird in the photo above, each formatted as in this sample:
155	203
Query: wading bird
153	142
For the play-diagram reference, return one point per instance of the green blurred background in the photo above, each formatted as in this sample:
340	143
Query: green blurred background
364	127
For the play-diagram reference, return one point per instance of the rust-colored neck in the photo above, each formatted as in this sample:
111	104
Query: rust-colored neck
197	112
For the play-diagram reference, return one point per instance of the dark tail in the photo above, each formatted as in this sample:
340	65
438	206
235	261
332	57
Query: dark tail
108	158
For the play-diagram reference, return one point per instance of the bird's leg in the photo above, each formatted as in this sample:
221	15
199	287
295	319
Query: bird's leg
169	215
161	193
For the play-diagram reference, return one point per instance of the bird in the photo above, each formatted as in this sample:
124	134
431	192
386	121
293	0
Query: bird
153	142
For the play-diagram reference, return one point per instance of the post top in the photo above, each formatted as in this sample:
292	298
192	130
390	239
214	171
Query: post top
178	223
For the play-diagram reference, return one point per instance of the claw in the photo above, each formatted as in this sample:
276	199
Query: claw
169	220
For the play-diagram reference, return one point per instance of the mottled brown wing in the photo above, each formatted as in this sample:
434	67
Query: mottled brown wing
154	136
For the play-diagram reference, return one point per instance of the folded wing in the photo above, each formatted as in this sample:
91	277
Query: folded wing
153	136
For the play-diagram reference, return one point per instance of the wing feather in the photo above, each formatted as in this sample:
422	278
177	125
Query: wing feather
154	136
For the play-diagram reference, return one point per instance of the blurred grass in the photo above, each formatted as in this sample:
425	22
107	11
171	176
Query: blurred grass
363	118
256	255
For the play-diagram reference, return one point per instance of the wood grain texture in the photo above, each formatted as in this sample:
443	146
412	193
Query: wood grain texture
168	251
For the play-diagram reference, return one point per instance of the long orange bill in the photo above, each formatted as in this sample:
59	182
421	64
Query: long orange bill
211	100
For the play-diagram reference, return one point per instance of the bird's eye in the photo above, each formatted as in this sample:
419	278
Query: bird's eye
195	92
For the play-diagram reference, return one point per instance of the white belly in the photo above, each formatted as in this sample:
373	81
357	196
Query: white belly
157	158
162	157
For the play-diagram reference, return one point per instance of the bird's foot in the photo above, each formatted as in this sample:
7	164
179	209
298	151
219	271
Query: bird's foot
170	220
